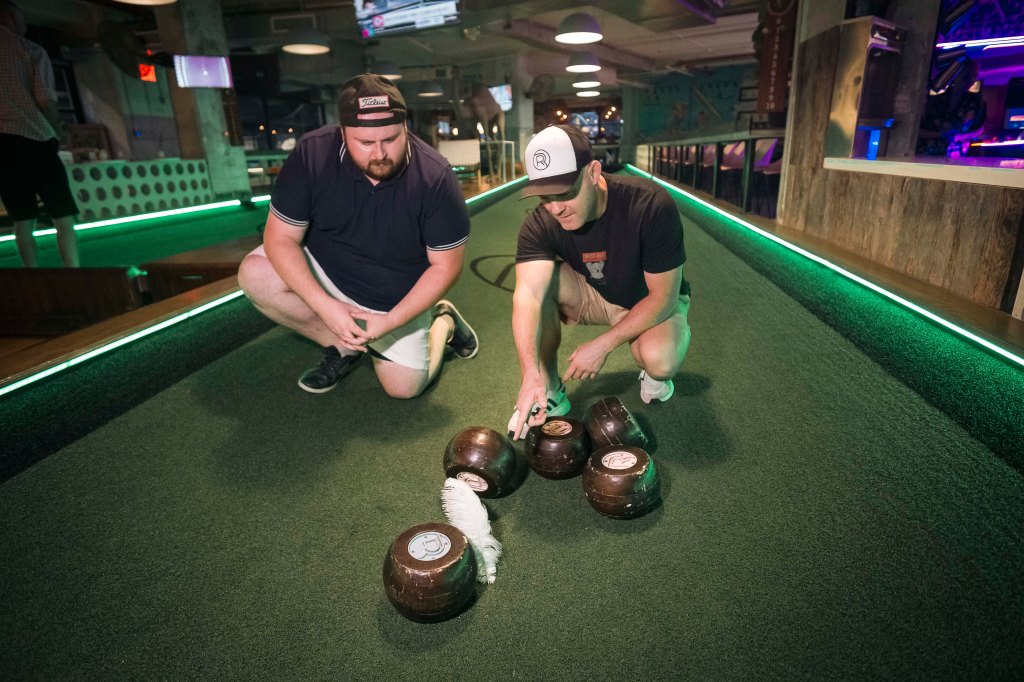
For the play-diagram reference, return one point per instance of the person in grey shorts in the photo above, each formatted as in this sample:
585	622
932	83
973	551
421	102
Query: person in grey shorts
599	250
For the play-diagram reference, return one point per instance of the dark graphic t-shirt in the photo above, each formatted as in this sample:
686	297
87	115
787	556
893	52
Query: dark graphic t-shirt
639	232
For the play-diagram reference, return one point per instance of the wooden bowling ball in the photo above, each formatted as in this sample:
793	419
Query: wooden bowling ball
485	460
621	482
558	448
609	423
430	572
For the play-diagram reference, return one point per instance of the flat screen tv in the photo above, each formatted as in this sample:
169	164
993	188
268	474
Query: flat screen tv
502	94
385	17
195	71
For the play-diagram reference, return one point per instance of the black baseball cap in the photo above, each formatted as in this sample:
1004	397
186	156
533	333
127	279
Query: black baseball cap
370	94
553	160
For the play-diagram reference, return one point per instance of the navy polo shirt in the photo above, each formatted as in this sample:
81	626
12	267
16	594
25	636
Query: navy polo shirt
372	241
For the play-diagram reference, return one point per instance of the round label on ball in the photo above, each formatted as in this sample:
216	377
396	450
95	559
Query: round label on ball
429	546
473	481
557	427
620	459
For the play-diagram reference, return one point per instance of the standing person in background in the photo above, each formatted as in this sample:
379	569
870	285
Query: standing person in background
29	142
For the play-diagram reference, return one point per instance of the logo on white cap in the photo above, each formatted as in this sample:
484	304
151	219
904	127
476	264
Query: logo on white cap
551	153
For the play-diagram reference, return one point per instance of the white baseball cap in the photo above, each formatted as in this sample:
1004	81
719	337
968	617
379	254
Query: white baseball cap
553	160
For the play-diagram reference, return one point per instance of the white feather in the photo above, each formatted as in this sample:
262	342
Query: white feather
466	512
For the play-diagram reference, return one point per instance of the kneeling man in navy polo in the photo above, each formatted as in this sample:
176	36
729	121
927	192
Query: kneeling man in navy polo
367	231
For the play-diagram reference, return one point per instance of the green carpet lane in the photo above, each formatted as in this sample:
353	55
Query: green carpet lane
820	519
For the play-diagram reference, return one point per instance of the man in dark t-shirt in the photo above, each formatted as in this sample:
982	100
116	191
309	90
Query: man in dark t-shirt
599	249
366	232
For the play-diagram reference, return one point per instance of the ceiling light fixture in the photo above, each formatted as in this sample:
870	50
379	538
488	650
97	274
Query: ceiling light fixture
587	93
431	89
147	3
583	85
578	29
306	41
583	62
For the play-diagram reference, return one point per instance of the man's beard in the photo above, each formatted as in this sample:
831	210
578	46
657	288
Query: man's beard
384	168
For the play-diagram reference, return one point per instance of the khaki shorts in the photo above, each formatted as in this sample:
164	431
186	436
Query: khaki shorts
406	346
579	303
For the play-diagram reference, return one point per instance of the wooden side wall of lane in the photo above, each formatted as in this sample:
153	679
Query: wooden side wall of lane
186	271
53	301
961	237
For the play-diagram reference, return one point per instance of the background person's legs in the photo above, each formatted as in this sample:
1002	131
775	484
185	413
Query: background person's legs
67	240
50	182
27	247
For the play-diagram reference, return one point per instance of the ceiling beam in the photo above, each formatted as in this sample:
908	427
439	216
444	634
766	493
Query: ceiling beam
698	9
543	37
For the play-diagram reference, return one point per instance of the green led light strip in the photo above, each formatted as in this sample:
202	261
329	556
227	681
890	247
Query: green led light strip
50	371
135	218
835	268
499	188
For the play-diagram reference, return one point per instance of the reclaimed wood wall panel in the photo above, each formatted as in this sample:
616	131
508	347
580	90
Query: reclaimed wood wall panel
815	73
958	236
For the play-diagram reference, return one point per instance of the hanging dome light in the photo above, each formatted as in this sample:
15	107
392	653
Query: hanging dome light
306	41
431	89
578	29
583	62
147	3
583	85
587	93
388	70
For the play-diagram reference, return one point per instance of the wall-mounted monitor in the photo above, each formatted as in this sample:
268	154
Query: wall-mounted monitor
502	94
384	17
194	71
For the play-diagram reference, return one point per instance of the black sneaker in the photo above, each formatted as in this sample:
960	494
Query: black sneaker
464	340
329	372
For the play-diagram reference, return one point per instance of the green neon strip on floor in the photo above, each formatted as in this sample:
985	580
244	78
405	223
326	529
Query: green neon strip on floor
499	188
117	344
135	218
910	305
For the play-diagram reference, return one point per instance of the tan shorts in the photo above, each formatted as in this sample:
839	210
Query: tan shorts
579	303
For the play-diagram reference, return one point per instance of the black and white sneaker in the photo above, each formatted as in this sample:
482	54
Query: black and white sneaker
329	372
464	341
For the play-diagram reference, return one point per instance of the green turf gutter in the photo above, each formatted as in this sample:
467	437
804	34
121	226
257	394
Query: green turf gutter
980	389
956	329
